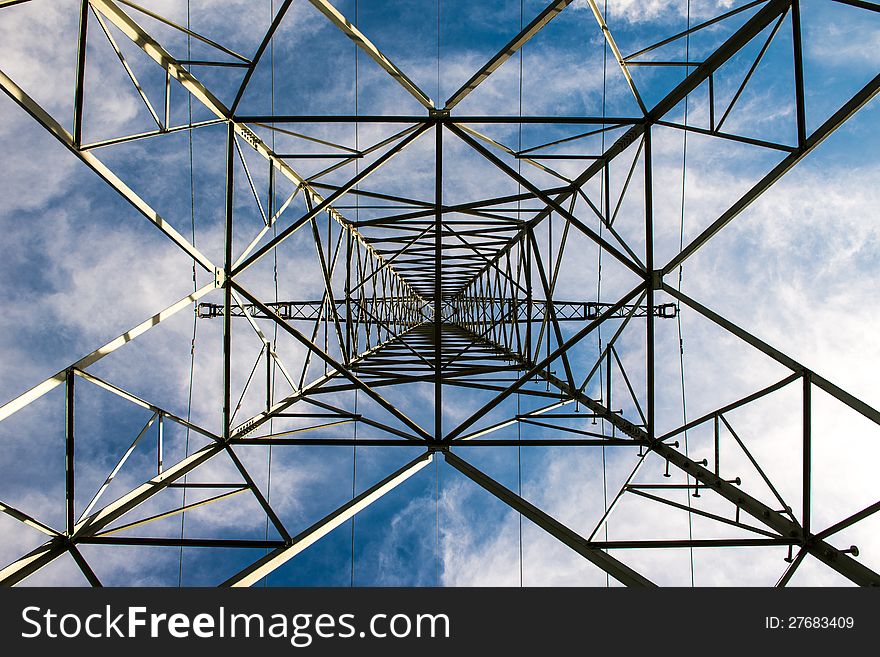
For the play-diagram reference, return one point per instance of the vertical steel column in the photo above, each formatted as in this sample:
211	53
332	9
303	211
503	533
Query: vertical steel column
717	447
79	98
608	379
167	116
269	386
548	303
349	320
68	451
438	281
270	209
529	301
808	439
160	444
652	283
798	72
227	285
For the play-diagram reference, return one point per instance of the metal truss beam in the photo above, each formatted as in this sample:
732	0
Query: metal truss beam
338	367
565	311
29	105
859	100
508	51
353	33
609	564
278	557
783	526
53	382
175	69
751	28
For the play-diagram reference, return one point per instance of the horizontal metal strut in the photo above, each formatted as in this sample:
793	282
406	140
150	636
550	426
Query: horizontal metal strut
567	311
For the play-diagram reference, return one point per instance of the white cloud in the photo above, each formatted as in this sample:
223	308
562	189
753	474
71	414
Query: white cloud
639	11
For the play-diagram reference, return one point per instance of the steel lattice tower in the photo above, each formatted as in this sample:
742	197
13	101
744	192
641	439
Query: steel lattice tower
420	292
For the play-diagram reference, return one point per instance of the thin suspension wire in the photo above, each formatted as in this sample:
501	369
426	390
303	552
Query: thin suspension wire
353	481
437	520
680	276
519	483
357	202
271	383
603	199
437	461
439	96
192	350
518	396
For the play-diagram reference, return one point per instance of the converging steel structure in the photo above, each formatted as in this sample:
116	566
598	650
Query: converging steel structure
457	296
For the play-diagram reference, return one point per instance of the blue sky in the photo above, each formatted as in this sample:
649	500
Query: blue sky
798	268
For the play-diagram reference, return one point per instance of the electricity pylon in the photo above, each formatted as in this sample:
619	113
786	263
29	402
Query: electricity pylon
451	295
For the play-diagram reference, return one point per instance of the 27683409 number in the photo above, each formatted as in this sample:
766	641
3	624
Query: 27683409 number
809	622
